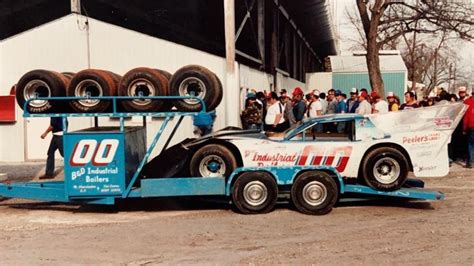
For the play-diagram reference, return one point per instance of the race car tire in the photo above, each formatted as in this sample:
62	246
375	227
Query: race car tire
254	192
43	83
194	80
92	82
314	192
68	74
147	81
213	160
218	96
385	169
167	104
165	73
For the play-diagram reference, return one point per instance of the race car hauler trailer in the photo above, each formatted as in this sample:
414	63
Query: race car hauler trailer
103	164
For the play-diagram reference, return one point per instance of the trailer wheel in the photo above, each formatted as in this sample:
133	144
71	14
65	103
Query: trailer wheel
314	192
146	82
255	192
194	80
385	169
92	83
213	160
41	83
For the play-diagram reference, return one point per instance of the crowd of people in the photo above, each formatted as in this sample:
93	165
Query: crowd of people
277	113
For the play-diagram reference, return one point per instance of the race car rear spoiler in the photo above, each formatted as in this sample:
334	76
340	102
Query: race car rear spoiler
438	117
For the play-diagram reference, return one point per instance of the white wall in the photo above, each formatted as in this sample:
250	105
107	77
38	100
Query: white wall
63	45
321	81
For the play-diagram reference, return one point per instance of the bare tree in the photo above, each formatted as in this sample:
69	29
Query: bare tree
384	21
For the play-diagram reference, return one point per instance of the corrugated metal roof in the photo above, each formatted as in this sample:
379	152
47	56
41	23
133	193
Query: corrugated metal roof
350	64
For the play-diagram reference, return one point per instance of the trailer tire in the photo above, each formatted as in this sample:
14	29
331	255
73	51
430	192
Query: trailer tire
43	83
314	192
385	169
198	81
254	192
149	82
212	160
94	82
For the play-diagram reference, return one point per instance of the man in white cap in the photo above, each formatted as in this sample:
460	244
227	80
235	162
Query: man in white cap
352	103
462	93
393	104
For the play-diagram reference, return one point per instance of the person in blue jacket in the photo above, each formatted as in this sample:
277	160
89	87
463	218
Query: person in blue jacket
299	105
341	108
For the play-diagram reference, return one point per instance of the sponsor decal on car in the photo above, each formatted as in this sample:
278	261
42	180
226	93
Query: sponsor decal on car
421	139
443	122
337	157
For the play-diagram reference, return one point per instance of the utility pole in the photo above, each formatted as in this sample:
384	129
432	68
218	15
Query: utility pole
231	91
76	6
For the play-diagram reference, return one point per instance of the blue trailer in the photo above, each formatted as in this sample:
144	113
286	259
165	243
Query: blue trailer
103	164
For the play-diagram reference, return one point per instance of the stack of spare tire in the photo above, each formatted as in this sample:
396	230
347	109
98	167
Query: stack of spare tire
191	80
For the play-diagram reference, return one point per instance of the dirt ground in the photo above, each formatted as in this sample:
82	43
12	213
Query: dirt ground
190	231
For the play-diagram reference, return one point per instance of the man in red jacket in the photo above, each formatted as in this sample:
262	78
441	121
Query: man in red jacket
468	129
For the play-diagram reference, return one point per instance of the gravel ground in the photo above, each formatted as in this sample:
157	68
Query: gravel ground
190	231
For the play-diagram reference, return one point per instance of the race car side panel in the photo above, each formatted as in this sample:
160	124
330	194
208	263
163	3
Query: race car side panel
344	156
428	151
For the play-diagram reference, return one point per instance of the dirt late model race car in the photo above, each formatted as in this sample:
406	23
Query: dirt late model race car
377	150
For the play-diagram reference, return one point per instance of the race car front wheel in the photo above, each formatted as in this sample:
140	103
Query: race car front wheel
314	192
255	192
385	169
213	160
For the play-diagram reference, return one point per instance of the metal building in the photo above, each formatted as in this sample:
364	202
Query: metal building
276	44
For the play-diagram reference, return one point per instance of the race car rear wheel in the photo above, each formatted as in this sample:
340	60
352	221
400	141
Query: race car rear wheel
213	160
314	192
255	192
385	169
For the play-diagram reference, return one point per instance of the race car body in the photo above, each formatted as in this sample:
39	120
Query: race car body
379	149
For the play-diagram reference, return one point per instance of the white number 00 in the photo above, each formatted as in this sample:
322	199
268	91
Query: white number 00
87	150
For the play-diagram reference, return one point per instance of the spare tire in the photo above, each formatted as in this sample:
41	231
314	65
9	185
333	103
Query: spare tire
147	82
194	80
167	104
92	83
41	83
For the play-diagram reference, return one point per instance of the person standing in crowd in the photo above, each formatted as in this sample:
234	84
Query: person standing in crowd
288	108
274	120
299	106
468	129
364	106
252	115
341	106
324	103
410	101
380	106
393	105
331	102
443	98
315	107
56	127
353	103
462	93
262	102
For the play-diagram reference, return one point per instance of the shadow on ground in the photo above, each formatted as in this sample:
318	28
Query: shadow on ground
193	203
